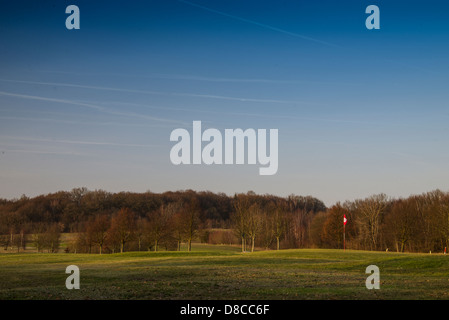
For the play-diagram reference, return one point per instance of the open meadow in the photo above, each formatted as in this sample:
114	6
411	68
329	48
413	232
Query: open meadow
223	272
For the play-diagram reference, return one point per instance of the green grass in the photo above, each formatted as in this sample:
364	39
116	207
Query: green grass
223	272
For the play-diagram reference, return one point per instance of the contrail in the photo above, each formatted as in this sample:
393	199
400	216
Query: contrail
88	105
69	153
93	123
194	95
200	78
260	24
259	114
96	143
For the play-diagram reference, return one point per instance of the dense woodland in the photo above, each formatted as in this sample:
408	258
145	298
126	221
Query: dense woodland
103	222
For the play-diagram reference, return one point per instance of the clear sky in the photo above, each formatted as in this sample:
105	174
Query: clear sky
359	111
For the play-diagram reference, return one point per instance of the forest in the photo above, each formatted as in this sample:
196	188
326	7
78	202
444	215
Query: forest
103	222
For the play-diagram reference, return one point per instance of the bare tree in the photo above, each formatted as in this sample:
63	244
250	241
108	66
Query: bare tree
401	224
140	232
20	238
178	229
98	230
333	228
122	227
157	227
239	218
38	237
266	235
254	223
371	211
53	238
190	221
279	224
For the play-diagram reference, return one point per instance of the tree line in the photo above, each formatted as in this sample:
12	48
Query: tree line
103	222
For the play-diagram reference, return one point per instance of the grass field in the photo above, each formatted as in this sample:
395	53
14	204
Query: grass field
223	272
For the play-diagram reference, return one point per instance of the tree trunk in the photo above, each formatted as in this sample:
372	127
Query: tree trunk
402	246
21	240
277	243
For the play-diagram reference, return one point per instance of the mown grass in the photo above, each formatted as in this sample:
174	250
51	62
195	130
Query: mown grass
223	272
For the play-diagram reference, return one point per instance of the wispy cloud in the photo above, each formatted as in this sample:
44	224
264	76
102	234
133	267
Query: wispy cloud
95	143
91	106
244	99
92	123
263	25
257	115
180	94
68	153
190	77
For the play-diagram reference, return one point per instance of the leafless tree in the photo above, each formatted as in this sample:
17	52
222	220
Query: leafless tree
123	227
279	224
98	230
254	223
239	218
190	221
157	227
371	212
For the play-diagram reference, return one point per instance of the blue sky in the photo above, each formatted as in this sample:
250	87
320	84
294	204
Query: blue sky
358	111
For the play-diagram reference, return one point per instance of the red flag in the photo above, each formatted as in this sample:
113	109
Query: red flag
344	220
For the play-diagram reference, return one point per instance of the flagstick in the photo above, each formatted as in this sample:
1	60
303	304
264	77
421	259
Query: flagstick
344	232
